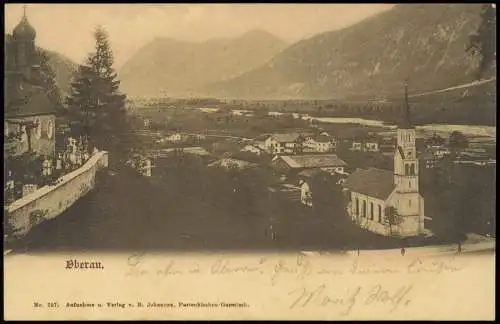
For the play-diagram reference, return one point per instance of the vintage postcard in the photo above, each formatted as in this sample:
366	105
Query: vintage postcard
249	161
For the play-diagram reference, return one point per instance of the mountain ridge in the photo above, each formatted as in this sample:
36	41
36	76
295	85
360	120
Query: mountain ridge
423	42
167	65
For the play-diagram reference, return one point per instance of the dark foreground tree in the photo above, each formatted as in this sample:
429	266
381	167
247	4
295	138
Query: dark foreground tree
96	106
457	142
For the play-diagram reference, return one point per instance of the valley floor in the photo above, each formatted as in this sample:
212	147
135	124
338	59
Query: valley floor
128	213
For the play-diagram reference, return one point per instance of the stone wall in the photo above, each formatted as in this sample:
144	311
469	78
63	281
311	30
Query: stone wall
49	202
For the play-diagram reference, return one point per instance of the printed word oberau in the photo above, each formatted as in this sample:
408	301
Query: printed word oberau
75	264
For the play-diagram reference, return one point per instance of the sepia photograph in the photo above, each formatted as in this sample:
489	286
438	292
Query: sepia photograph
207	149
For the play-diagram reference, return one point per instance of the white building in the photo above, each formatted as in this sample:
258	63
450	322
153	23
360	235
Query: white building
373	191
320	144
252	149
288	143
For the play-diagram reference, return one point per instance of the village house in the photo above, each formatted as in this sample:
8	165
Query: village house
439	151
252	149
366	145
286	143
327	162
371	146
357	145
29	111
320	144
430	160
373	191
174	137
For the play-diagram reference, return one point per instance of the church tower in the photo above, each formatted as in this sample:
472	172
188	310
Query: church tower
405	156
408	201
23	38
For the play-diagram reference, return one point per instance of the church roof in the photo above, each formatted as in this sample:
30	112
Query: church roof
372	182
24	30
30	100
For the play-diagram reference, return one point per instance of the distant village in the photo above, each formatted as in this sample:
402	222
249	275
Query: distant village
389	179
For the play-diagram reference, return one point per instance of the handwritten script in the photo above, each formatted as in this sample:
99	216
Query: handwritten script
292	275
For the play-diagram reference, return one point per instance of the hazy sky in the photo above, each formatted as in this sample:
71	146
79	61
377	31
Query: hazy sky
68	28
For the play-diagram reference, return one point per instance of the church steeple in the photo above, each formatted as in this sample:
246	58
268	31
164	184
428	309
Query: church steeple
24	30
405	120
23	37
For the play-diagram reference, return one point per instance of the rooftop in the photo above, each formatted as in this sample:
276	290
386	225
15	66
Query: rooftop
313	161
233	163
322	139
372	182
285	137
30	100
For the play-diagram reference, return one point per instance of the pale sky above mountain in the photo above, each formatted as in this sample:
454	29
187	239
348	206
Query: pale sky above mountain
67	28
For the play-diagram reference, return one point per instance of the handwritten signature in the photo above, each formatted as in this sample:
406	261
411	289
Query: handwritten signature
377	294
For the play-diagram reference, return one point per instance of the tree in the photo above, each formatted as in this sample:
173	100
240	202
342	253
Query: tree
97	108
483	42
49	80
327	197
458	141
392	218
435	140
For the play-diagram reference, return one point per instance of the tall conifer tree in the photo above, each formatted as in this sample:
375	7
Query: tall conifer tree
96	106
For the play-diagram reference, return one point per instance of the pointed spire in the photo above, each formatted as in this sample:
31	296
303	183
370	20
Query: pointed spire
24	11
405	118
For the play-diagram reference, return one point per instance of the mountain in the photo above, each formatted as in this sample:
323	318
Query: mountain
177	67
423	42
64	68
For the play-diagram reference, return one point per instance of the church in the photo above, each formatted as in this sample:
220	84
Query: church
28	110
376	195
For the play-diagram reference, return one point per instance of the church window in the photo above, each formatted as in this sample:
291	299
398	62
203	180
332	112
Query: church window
38	129
24	135
412	169
409	202
363	211
407	169
357	207
371	211
50	129
379	214
409	184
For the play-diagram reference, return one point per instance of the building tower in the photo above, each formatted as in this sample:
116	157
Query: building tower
406	165
23	38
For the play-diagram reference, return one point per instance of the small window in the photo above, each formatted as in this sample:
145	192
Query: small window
409	184
38	129
24	135
409	202
50	129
